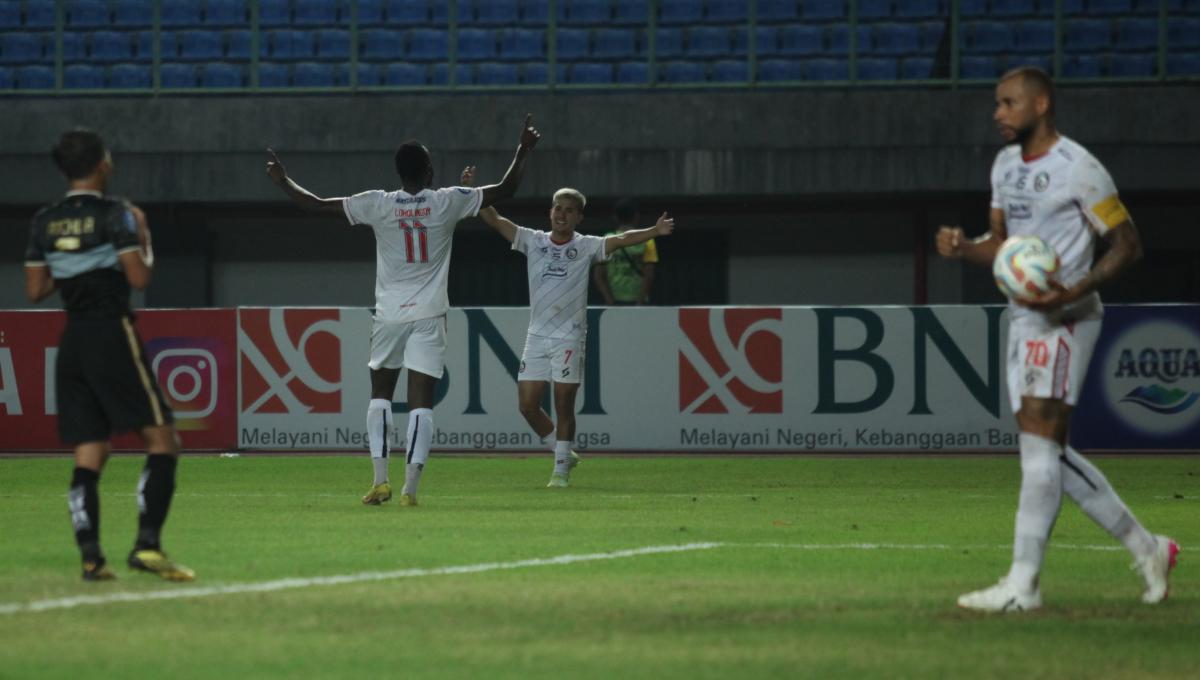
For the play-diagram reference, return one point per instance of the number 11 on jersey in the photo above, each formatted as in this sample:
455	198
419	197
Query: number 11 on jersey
421	238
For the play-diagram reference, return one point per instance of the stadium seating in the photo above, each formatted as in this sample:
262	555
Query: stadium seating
37	15
463	73
368	13
226	13
314	13
1183	33
1183	64
779	70
729	71
83	77
921	9
333	44
1089	35
476	44
573	43
726	12
822	10
410	12
405	74
174	75
987	37
34	77
895	39
221	75
778	11
130	77
668	43
801	40
877	69
631	72
428	44
10	18
708	41
981	66
614	43
1133	65
1137	34
271	75
111	46
20	48
826	69
1033	36
522	44
201	45
1083	66
180	13
87	14
682	72
590	73
497	13
133	13
274	13
312	74
916	68
379	44
874	9
497	73
680	12
535	13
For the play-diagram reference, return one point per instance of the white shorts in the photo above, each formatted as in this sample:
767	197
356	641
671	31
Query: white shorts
416	345
1048	360
554	359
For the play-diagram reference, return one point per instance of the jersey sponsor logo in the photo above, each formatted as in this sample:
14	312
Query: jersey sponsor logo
555	271
291	360
731	361
1019	211
1152	377
410	199
1041	181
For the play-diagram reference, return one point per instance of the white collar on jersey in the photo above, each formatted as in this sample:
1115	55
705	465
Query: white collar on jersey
85	192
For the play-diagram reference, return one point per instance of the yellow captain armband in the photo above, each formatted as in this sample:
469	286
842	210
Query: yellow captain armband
1111	211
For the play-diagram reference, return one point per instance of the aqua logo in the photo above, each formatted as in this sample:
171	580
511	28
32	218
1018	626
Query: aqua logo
1152	377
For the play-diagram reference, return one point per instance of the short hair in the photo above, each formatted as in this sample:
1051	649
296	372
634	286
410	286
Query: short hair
1036	80
626	210
79	152
412	161
575	194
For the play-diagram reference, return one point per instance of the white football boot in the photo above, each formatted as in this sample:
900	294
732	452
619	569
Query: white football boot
1156	569
1001	597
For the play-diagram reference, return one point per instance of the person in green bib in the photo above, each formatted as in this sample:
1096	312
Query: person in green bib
626	278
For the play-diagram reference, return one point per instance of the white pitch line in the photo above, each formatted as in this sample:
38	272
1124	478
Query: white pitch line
292	583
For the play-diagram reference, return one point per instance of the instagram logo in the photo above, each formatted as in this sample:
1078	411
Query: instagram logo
186	369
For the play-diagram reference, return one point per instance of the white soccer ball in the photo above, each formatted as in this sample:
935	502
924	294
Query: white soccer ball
1024	267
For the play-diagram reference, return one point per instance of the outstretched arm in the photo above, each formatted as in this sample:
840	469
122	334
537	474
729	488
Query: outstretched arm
302	197
952	244
663	227
494	193
490	217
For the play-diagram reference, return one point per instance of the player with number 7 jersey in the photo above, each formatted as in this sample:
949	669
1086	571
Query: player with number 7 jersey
414	229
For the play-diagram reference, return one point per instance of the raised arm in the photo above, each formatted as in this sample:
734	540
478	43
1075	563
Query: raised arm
663	227
494	193
303	198
952	244
504	226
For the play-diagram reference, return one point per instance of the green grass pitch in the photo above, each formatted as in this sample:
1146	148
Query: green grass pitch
821	567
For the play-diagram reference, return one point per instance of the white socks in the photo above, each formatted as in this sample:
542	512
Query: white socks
1086	485
562	457
420	438
1041	497
379	429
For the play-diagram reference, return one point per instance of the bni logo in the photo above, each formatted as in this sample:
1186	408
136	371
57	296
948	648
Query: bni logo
1152	377
291	360
731	361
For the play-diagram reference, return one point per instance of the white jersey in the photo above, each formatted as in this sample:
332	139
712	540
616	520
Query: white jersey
1066	198
558	281
413	235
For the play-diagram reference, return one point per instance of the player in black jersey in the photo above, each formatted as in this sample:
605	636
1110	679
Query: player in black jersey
91	248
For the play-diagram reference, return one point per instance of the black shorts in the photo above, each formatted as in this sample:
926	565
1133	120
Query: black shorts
104	382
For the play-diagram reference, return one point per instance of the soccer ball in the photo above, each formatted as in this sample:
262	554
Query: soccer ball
1024	267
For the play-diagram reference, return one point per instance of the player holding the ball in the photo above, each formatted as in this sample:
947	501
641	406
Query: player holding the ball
1046	185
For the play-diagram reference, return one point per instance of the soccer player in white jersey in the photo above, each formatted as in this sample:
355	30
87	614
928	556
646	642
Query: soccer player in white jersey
559	263
1046	184
414	226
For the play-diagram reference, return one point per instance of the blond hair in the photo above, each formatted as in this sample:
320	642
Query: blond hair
575	194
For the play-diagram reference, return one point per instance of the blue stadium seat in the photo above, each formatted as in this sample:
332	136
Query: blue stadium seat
874	9
822	10
534	13
74	46
932	34
896	39
972	8
1010	8
168	46
680	12
631	72
536	73
274	13
174	75
1137	34
776	70
572	43
370	13
614	43
180	13
6	78
381	44
708	42
1133	65
271	74
577	12
83	77
130	77
916	68
522	44
237	45
590	73
988	37
463	73
21	48
369	75
110	46
826	69
314	13
1183	33
1087	35
35	78
1151	6
877	68
312	74
407	12
631	13
1083	66
726	12
668	43
1035	35
406	74
37	15
497	73
801	39
10	17
729	71
1102	7
281	45
133	14
497	13
921	9
87	14
428	44
201	45
682	72
221	75
439	16
1183	64
226	13
983	66
476	44
333	44
838	39
766	41
778	11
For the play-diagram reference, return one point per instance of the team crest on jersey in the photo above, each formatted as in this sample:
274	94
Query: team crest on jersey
731	361
572	253
291	360
1041	181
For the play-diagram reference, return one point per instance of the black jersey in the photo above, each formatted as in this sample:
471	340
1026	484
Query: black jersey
79	239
